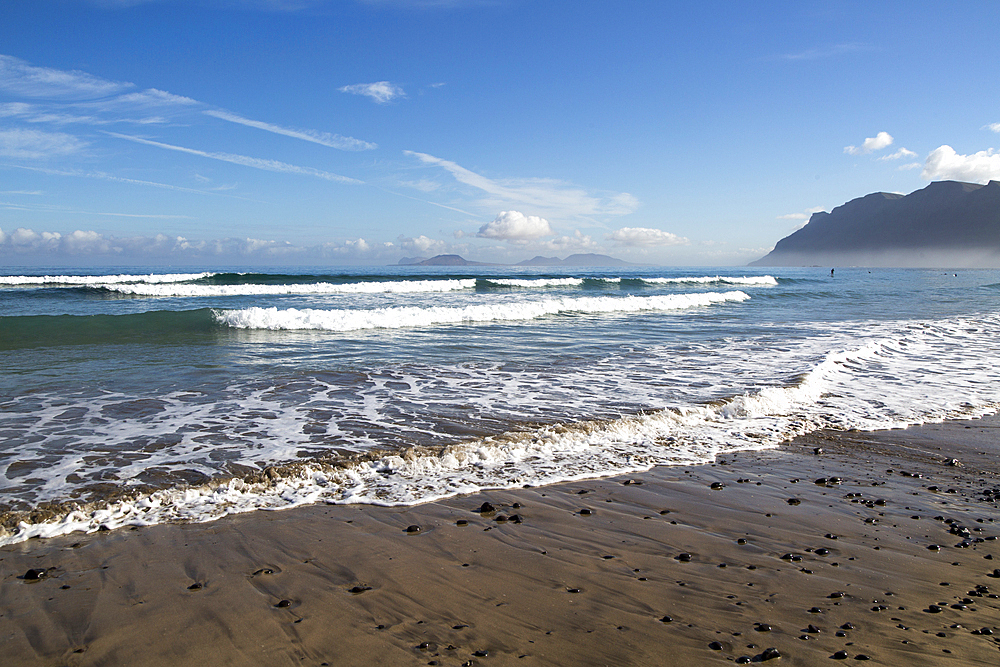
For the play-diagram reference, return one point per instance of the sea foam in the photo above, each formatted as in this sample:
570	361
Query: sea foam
410	316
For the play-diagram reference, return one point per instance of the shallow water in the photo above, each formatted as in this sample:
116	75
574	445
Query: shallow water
175	388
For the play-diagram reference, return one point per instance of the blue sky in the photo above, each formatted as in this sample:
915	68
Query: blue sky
267	132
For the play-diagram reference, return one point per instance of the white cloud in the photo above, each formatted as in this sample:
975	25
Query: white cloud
898	155
876	143
380	91
801	216
421	245
993	127
322	138
515	226
34	145
578	241
424	185
547	196
816	53
644	237
944	163
20	78
256	163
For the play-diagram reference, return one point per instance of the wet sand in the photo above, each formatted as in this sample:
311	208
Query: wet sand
657	568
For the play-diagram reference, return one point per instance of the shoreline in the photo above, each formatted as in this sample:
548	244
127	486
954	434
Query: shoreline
643	569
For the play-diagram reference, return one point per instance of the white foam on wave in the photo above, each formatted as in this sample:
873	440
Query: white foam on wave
818	398
535	282
728	280
411	316
149	279
249	289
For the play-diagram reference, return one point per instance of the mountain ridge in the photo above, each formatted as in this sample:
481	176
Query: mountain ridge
945	224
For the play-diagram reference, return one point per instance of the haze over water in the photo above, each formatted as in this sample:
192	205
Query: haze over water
398	385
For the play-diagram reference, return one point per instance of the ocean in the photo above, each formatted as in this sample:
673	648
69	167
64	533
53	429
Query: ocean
143	396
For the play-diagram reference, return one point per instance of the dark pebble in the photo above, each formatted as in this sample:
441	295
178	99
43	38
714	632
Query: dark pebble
283	603
934	547
830	536
934	609
715	646
461	522
35	573
861	656
817	450
770	654
481	654
195	586
744	660
684	557
794	501
516	506
762	627
822	552
812	628
717	485
815	610
501	518
486	508
359	589
839	655
413	529
847	626
741	541
516	518
574	590
586	512
667	619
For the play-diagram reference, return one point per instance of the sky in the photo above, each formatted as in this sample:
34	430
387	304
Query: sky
359	132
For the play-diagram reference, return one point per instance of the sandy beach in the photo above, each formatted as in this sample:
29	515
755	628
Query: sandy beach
882	547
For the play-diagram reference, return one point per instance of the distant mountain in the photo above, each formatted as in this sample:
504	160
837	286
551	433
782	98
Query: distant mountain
946	224
441	260
588	259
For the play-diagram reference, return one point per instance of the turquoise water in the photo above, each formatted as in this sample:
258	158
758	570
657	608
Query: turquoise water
178	387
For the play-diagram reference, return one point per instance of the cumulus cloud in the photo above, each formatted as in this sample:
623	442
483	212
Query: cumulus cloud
898	155
515	226
322	138
256	163
644	237
944	163
575	242
993	127
871	144
380	91
34	145
547	196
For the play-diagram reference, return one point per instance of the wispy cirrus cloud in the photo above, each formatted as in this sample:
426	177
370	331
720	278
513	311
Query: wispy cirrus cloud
825	51
246	161
36	145
548	197
992	127
322	138
20	78
382	92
